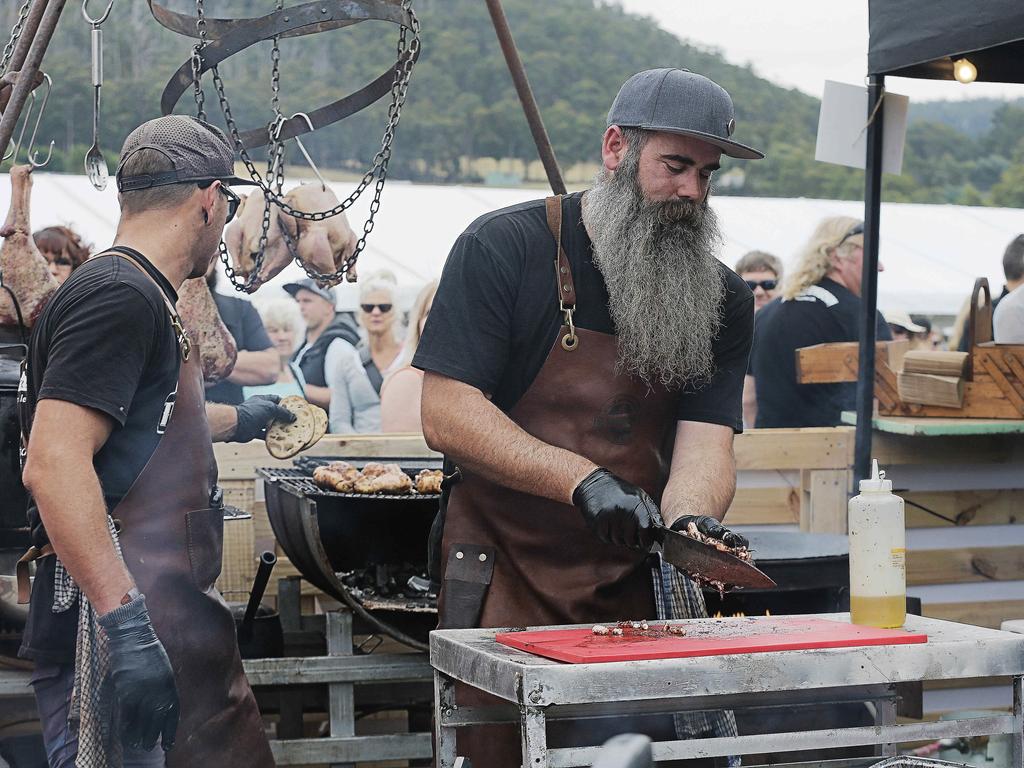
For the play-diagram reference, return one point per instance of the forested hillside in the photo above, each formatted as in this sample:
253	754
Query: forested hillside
462	103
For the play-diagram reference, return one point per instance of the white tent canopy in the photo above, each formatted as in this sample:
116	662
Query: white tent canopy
931	253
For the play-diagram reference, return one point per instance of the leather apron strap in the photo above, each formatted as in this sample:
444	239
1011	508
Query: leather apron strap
24	583
563	272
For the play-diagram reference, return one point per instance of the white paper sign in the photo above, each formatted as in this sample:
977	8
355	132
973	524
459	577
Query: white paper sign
842	127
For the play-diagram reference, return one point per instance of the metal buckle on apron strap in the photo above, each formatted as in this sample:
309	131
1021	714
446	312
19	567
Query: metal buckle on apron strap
24	583
570	341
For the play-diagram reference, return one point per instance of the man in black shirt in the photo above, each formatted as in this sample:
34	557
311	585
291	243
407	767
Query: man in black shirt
820	304
572	344
117	430
257	362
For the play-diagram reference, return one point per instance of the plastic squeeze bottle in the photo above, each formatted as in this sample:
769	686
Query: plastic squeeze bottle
878	554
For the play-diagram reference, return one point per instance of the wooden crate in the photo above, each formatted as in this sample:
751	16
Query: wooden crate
993	382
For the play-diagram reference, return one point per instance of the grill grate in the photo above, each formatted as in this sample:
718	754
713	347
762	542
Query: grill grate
302	482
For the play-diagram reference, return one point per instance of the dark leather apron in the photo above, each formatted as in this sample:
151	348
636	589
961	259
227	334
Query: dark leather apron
544	565
172	540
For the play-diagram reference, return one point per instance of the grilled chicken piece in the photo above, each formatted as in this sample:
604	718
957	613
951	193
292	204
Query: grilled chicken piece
23	267
209	335
322	245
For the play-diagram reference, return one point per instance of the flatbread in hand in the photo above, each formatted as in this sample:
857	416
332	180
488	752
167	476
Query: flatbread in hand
286	440
319	425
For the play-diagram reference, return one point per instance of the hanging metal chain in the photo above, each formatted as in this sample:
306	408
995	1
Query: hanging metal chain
15	34
407	53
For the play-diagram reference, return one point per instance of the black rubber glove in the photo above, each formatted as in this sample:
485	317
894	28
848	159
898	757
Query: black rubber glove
617	511
711	527
143	681
256	414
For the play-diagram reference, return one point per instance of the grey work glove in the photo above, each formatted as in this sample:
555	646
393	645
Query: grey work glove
618	512
147	698
711	527
256	414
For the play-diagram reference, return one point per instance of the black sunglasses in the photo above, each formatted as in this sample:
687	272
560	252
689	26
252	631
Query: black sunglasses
767	285
233	200
857	229
368	308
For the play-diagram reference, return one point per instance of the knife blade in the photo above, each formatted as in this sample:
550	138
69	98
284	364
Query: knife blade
706	561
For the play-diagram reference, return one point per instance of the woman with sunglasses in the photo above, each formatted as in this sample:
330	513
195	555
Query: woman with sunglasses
381	353
762	272
63	250
402	392
357	377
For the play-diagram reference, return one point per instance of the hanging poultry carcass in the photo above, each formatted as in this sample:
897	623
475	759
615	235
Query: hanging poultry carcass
242	239
322	245
23	267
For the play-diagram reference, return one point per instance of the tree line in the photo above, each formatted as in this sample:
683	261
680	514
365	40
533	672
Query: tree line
462	103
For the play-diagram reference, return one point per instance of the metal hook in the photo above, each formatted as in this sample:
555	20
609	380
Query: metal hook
35	129
101	19
27	115
276	133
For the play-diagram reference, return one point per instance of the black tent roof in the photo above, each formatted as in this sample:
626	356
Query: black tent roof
921	38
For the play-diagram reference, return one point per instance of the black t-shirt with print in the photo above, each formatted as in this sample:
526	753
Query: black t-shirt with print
104	341
495	315
825	312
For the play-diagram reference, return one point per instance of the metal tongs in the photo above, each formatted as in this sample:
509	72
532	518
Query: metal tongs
95	165
707	561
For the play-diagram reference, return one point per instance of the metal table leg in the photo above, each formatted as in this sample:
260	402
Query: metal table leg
1017	759
885	714
533	728
444	707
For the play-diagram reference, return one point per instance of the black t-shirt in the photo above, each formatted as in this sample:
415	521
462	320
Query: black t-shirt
104	341
246	328
495	315
825	312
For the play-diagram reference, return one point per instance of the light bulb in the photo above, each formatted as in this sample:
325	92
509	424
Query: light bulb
964	71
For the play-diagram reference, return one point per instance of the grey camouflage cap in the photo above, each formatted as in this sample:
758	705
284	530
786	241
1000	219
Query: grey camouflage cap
197	150
308	284
683	102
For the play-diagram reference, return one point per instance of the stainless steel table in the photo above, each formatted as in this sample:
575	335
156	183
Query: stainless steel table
539	689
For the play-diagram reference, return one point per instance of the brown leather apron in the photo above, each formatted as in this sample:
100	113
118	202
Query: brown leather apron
545	566
172	539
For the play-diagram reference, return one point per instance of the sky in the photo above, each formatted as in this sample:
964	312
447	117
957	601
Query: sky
784	43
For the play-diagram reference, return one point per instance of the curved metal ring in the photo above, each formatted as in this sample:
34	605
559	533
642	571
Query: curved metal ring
90	19
303	19
186	25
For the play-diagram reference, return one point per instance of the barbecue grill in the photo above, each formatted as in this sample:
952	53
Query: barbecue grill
367	550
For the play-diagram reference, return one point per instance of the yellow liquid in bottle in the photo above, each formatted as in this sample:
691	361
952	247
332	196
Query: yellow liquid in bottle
886	612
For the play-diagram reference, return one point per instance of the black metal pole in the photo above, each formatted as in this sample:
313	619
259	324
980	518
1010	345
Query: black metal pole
259	585
518	72
33	59
869	278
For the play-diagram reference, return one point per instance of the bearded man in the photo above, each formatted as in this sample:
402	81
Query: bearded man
615	389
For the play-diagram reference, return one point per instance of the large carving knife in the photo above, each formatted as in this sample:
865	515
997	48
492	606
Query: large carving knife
701	560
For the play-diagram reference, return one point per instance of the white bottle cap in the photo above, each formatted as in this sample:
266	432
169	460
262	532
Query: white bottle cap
877	481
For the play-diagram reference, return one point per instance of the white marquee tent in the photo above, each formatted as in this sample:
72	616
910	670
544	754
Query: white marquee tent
931	253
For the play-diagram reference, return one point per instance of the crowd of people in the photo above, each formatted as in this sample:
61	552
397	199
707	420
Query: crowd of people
357	362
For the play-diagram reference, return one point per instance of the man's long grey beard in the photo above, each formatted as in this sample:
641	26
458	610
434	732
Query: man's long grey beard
665	284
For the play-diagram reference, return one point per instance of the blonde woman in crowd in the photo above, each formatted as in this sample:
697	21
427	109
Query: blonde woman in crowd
400	393
283	325
820	304
356	381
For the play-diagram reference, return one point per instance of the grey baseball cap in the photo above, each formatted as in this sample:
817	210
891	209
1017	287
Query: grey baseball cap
308	284
197	150
683	102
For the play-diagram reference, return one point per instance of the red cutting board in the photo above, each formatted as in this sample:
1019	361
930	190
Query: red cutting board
711	637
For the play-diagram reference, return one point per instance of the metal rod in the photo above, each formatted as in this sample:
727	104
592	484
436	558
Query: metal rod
28	34
869	278
259	586
522	84
29	68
